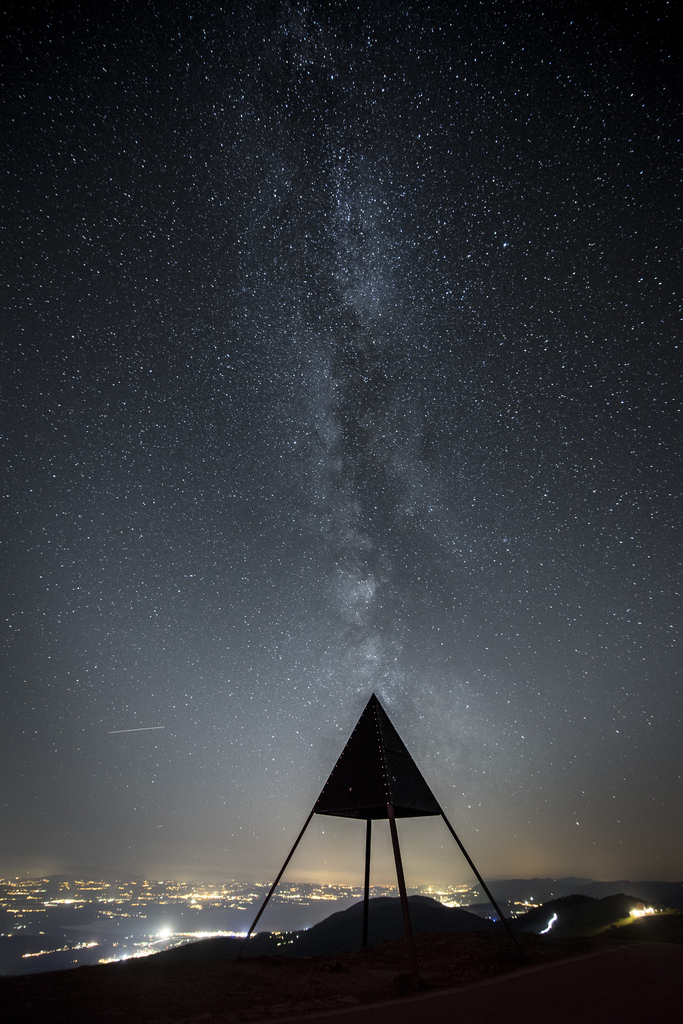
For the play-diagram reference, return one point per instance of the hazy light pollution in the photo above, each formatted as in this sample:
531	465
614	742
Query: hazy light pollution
341	354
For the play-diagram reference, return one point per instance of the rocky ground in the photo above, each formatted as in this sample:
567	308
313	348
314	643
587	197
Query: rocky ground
264	988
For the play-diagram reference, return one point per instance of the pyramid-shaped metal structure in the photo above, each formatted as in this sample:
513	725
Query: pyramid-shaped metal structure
375	777
373	771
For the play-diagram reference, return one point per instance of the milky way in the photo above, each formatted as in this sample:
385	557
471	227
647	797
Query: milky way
341	355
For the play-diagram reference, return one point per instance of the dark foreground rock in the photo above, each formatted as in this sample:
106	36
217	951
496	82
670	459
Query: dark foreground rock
154	991
163	990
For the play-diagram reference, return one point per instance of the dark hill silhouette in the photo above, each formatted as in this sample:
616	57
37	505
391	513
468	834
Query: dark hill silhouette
577	915
581	915
536	919
590	918
341	932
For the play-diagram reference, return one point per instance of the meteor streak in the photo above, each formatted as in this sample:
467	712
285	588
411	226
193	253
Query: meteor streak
143	728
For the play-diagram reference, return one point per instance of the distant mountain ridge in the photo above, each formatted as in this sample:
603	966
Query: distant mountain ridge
542	890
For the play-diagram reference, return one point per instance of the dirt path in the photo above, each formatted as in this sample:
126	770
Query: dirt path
622	985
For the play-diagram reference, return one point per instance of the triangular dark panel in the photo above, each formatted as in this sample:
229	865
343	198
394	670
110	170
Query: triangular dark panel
373	770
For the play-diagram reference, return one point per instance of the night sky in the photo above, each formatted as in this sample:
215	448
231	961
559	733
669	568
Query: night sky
340	355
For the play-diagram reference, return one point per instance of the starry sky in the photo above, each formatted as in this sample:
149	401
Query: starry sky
340	355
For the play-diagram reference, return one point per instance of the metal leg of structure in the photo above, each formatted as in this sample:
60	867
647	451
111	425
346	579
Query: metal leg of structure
274	885
366	890
483	884
412	958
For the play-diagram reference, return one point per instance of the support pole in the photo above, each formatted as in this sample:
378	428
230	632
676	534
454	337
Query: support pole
483	884
274	885
366	891
412	958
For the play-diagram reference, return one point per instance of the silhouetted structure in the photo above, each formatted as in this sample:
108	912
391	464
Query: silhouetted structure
374	778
